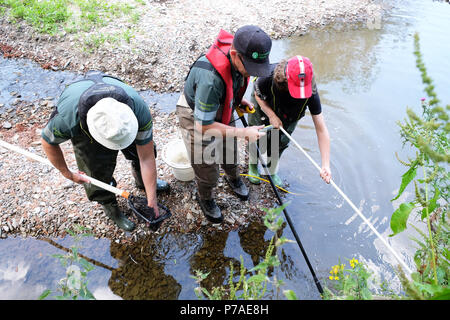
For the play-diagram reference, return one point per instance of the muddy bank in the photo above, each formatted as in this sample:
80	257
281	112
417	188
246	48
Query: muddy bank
171	34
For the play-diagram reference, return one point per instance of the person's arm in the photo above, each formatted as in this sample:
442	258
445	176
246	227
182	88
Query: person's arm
217	128
148	170
273	118
323	139
56	157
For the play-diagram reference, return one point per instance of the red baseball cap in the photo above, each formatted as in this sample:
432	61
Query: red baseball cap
299	73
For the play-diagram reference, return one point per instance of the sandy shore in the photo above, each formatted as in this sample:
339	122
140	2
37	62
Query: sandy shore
36	200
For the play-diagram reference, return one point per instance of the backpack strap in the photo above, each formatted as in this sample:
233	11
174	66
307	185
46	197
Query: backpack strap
98	91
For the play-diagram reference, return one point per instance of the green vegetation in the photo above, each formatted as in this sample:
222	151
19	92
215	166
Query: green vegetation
73	16
45	16
351	284
428	136
251	284
74	285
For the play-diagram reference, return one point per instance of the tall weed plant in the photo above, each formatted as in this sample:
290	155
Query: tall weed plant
428	171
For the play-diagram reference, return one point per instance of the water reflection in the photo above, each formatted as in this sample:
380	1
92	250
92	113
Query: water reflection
337	54
254	240
139	276
155	267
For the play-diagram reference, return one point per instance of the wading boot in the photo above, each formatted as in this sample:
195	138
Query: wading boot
210	210
277	180
161	186
253	172
238	187
273	169
112	210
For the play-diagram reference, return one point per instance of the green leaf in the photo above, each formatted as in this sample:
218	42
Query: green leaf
44	294
444	294
261	266
400	217
366	294
259	278
431	205
86	294
85	264
290	295
407	177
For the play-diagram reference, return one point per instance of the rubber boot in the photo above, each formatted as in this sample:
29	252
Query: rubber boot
210	210
253	172
112	210
253	164
238	187
273	169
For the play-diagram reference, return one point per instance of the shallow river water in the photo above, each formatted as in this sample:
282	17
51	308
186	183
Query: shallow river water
366	79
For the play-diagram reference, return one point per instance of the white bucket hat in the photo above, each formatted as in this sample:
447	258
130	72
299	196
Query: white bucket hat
112	124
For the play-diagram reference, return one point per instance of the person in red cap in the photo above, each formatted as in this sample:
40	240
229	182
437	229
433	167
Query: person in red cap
281	100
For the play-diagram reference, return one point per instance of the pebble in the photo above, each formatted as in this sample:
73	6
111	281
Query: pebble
7	125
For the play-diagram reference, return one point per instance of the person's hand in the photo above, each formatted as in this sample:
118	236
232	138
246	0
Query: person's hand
276	122
252	133
154	206
245	104
325	174
78	177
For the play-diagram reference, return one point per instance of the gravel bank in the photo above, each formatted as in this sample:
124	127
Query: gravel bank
172	34
36	200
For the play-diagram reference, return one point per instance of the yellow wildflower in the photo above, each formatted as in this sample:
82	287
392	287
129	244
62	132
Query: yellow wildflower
353	263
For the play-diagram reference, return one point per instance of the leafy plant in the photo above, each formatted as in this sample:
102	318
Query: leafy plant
74	285
428	135
254	286
42	15
349	284
51	16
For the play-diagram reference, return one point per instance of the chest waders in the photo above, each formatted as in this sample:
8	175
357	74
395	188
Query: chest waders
93	158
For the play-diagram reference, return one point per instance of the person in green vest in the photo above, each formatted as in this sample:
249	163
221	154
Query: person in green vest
101	115
281	100
214	87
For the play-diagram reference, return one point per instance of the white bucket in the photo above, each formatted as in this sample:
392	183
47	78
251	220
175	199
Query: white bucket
176	157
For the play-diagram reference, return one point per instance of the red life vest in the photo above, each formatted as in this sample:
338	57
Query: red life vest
217	56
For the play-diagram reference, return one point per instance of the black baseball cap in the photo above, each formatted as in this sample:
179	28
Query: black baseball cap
254	45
